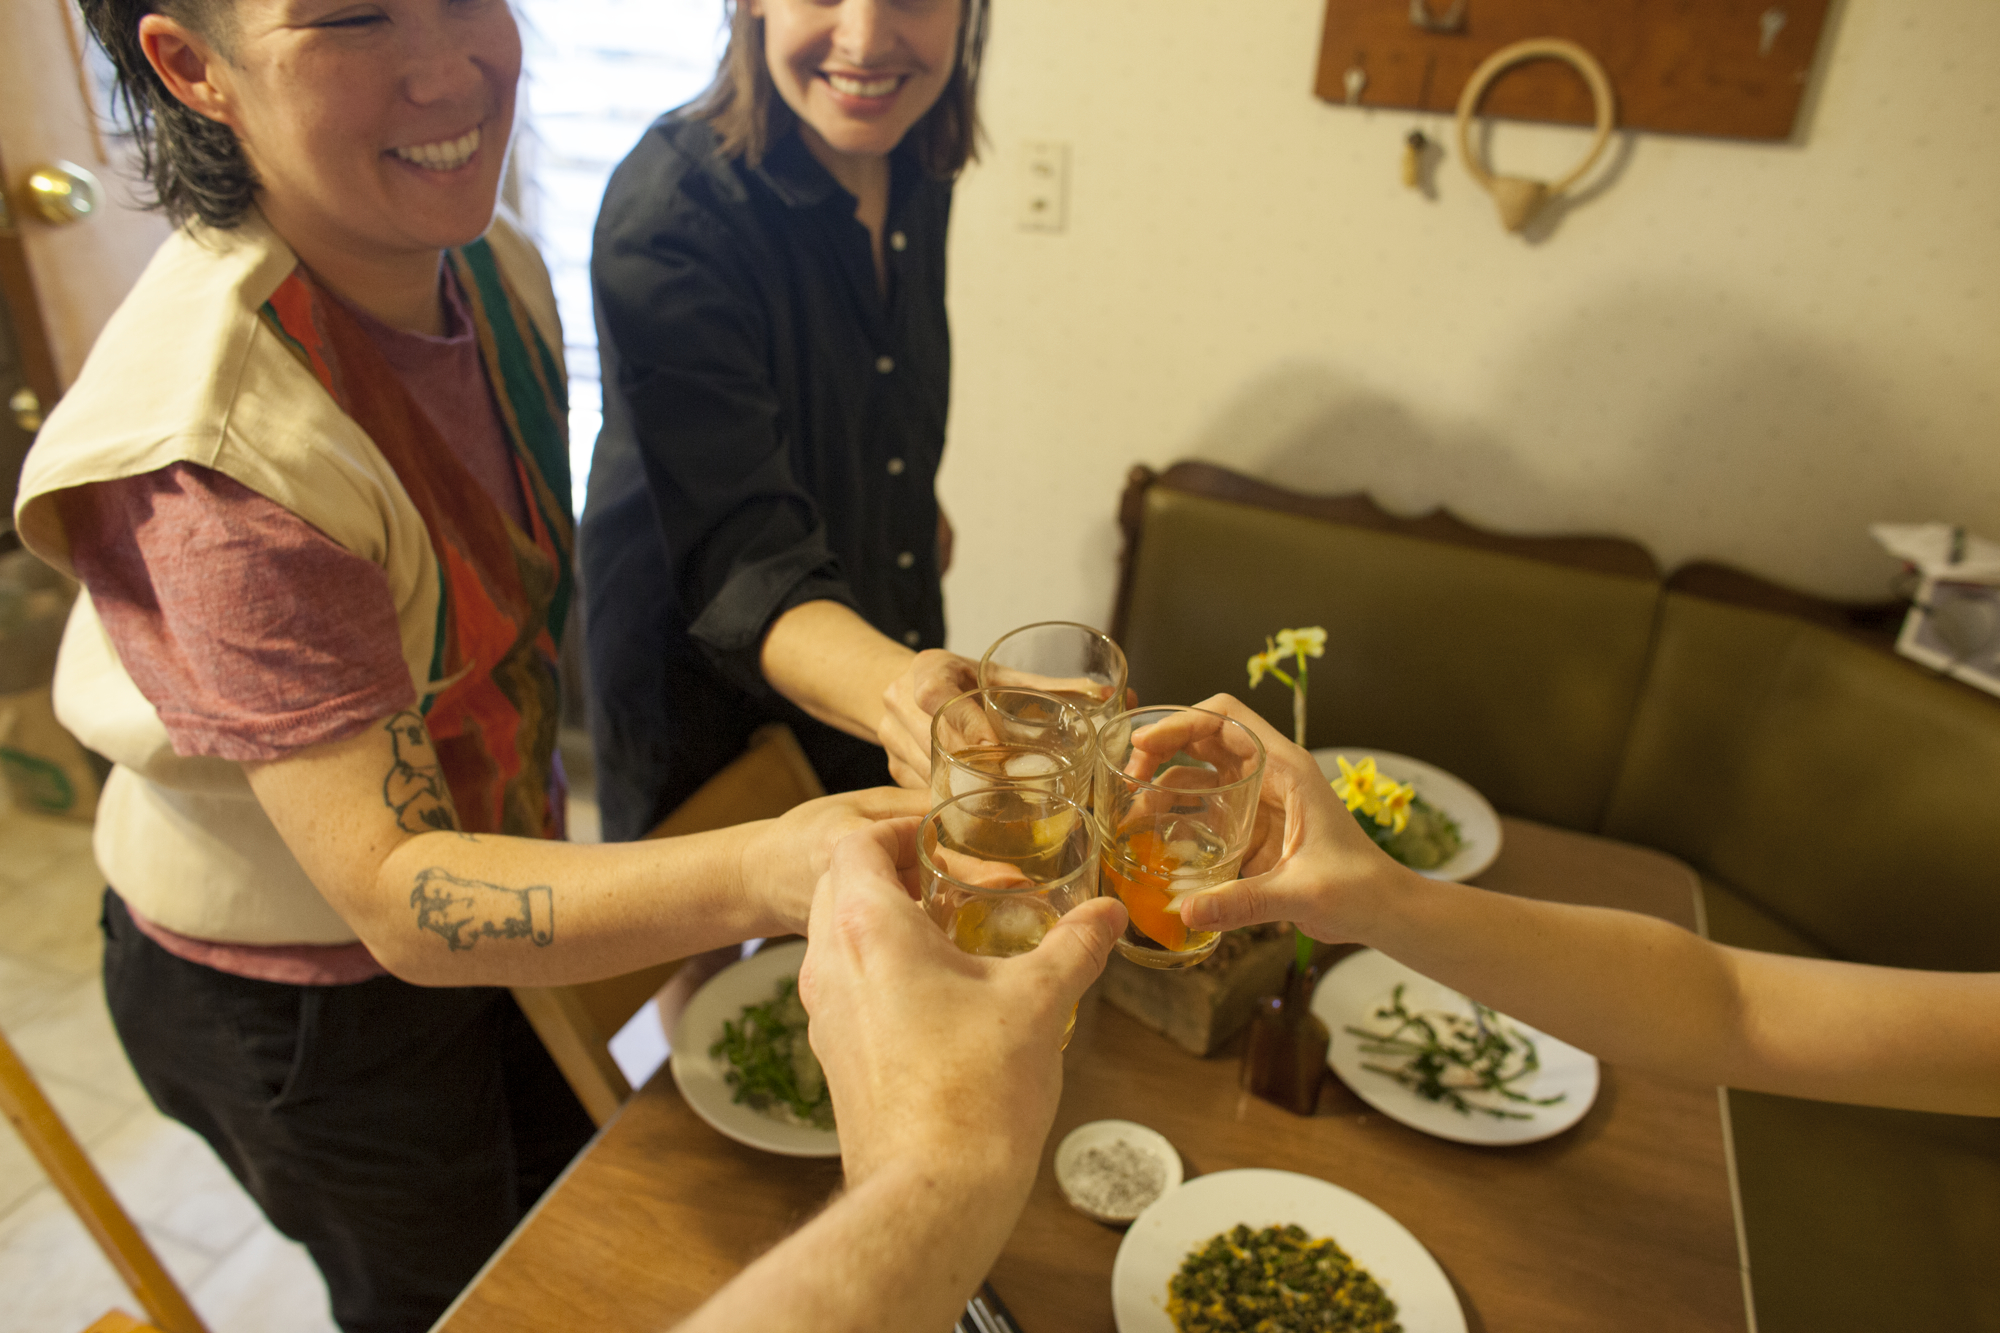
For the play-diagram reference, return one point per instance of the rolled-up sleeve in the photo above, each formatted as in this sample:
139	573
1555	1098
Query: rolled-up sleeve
688	339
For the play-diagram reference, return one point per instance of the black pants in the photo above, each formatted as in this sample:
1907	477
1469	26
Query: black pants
398	1132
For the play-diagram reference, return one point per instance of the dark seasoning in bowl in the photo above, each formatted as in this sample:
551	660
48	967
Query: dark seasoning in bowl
1115	1179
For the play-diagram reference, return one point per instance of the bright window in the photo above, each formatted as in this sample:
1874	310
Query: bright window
598	72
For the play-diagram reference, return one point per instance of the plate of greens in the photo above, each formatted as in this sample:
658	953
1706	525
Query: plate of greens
1237	1251
1423	1054
1452	833
741	1058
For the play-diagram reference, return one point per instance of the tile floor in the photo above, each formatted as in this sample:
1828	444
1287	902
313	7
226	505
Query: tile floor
241	1275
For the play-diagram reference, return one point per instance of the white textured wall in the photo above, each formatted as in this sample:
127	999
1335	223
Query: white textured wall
1744	352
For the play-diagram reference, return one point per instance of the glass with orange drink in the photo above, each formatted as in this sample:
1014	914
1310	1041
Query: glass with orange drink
1177	793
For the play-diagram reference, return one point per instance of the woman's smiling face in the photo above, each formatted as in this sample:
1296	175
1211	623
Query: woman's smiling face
379	127
860	73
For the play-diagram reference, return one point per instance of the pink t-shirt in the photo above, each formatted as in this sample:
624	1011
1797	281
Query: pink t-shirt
253	633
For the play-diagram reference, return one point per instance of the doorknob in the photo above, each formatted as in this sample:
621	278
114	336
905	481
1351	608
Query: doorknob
61	193
27	410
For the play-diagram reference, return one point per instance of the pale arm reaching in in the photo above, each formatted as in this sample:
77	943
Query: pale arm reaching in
1628	988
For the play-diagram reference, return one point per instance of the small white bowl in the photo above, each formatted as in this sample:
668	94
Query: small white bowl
1099	1133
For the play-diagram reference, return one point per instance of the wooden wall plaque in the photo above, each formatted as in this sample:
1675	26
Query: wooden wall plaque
1730	68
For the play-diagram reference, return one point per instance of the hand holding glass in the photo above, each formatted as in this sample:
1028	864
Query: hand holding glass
997	868
1059	657
1011	738
1176	797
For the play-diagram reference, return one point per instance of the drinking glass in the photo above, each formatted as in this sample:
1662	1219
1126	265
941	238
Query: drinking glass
1060	657
1011	738
997	868
1176	798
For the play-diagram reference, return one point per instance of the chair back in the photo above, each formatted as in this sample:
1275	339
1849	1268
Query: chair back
117	1321
70	1171
577	1023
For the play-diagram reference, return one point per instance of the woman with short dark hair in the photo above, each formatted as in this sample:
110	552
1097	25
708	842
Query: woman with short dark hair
313	478
763	539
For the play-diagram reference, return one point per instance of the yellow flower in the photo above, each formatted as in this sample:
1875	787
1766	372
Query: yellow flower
1268	662
1357	784
1394	798
1302	642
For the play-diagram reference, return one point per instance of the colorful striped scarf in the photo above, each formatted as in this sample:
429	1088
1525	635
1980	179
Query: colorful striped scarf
493	700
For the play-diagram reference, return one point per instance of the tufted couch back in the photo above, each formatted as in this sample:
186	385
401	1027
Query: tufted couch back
1847	799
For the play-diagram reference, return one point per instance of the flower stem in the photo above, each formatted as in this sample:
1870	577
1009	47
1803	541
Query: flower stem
1299	704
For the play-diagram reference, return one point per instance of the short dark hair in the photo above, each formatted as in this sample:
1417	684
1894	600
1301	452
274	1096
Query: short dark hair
195	166
749	117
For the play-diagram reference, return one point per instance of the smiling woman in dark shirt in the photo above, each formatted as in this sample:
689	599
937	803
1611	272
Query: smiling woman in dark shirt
762	539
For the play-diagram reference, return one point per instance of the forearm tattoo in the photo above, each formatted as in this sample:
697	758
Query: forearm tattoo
415	788
466	911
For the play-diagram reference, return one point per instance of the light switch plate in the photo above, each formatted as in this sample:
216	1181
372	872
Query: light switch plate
1044	185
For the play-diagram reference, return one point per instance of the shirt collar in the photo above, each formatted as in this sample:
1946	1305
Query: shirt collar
796	176
799	181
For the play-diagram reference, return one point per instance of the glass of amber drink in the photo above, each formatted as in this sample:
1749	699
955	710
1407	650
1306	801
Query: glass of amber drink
1177	794
1059	657
1011	738
998	867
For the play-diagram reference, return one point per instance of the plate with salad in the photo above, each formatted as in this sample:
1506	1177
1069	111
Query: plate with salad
1251	1250
1425	1055
741	1058
1451	832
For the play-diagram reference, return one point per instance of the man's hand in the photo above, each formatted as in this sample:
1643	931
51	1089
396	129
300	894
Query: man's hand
933	679
783	863
945	1073
934	1056
1309	862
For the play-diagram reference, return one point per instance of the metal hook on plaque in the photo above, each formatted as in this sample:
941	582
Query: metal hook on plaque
1452	20
1354	81
1769	24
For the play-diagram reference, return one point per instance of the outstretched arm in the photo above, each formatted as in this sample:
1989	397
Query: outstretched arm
945	1071
371	821
829	661
1629	988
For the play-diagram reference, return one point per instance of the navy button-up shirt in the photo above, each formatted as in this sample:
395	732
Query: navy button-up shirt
772	432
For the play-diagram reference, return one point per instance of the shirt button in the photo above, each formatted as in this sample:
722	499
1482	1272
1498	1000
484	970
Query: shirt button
905	560
898	241
885	364
896	467
913	638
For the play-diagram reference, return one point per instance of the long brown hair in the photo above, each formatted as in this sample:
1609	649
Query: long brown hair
749	116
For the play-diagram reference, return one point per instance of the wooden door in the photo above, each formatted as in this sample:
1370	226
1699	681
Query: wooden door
58	283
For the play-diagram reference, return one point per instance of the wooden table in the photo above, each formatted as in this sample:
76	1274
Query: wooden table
1624	1222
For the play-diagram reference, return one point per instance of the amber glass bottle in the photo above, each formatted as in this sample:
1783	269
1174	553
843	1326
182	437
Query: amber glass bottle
1285	1058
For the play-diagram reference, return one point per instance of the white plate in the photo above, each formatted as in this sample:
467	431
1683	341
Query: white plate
1160	1240
1362	982
1478	822
1096	1134
702	1078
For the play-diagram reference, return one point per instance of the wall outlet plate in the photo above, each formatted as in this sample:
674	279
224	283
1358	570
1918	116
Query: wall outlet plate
1044	185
